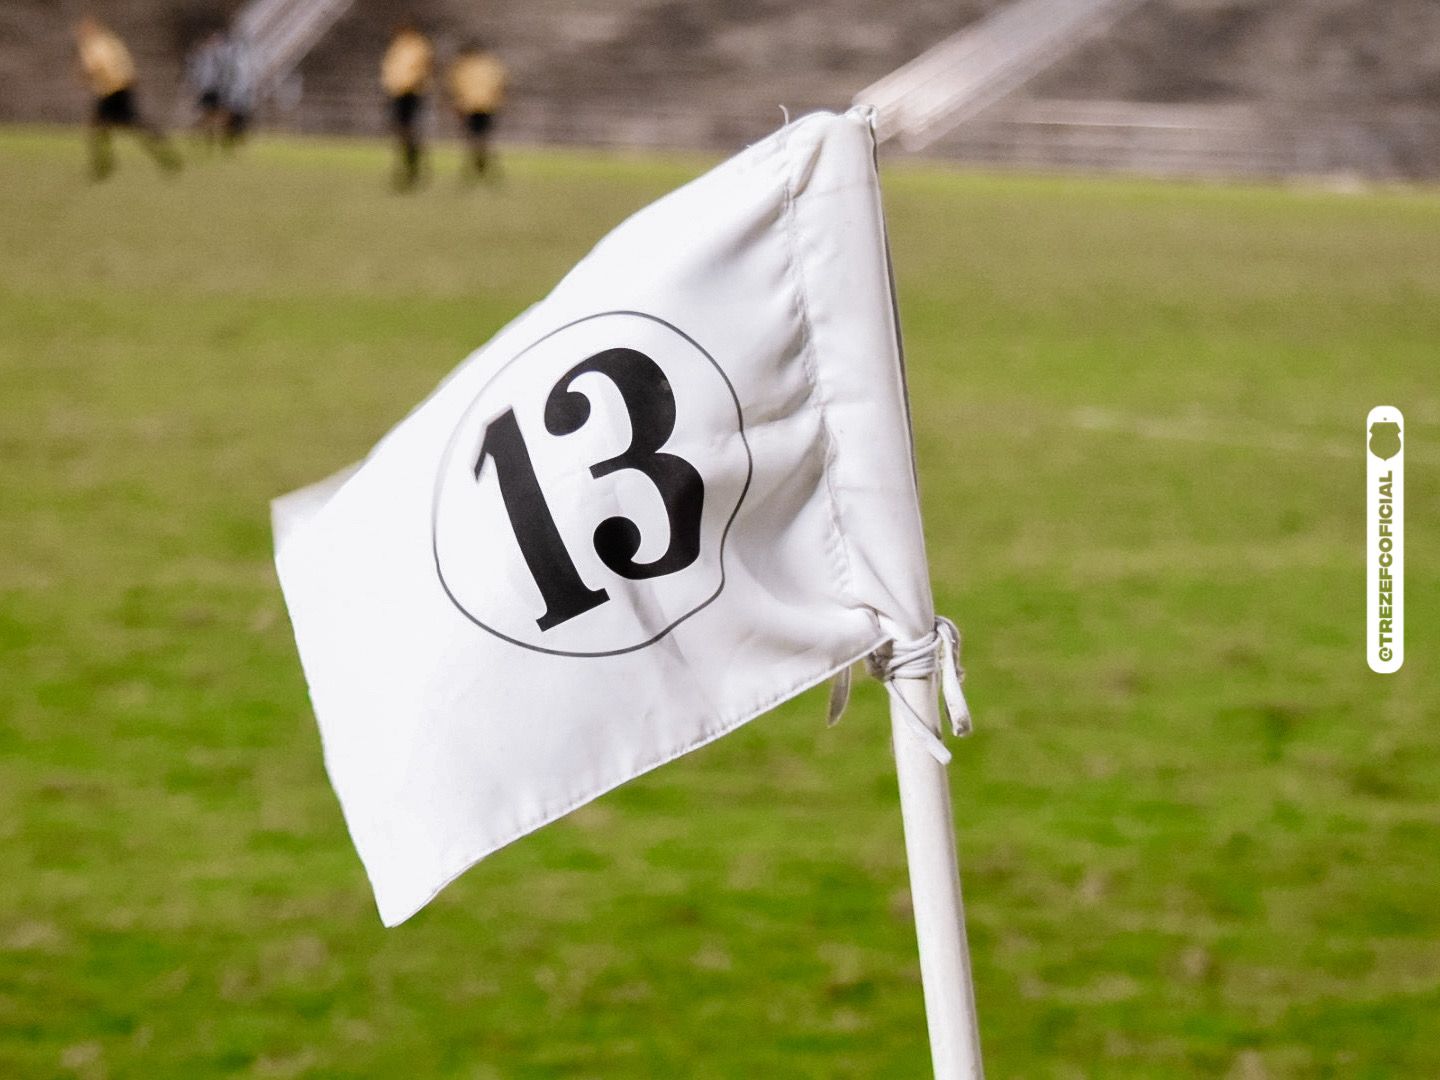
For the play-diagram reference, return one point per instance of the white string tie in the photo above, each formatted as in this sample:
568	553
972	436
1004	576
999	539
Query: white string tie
939	651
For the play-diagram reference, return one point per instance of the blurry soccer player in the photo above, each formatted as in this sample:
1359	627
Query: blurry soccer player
477	90
237	89
220	70
205	72
110	71
405	75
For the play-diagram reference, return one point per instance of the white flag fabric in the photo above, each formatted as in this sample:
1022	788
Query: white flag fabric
673	494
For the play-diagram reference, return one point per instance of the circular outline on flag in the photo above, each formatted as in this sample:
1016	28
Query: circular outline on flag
724	535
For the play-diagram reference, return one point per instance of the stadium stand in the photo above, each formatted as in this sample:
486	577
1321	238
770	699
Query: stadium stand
1188	86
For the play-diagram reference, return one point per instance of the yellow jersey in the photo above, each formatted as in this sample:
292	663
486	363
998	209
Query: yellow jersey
106	63
477	83
406	67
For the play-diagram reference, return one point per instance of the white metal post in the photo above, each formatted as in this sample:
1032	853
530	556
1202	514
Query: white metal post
935	889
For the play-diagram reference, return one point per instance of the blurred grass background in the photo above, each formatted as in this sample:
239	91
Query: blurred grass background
1198	836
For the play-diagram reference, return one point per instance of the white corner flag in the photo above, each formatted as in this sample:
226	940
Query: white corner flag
673	494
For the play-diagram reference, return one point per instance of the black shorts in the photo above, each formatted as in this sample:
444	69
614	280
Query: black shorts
404	108
210	101
479	123
117	108
236	123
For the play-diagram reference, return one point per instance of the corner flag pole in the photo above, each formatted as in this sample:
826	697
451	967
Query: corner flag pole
935	887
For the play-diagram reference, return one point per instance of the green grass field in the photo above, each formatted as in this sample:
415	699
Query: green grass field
1199	838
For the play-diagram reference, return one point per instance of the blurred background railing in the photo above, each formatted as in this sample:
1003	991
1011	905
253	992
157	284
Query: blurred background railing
924	100
1197	87
280	33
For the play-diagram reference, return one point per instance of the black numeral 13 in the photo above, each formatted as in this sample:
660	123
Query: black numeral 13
650	403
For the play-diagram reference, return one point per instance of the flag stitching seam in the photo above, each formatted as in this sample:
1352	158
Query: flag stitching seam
841	553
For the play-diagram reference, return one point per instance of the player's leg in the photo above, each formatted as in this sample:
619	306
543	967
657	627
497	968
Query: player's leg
478	137
210	122
124	112
157	145
413	149
403	110
102	151
237	122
